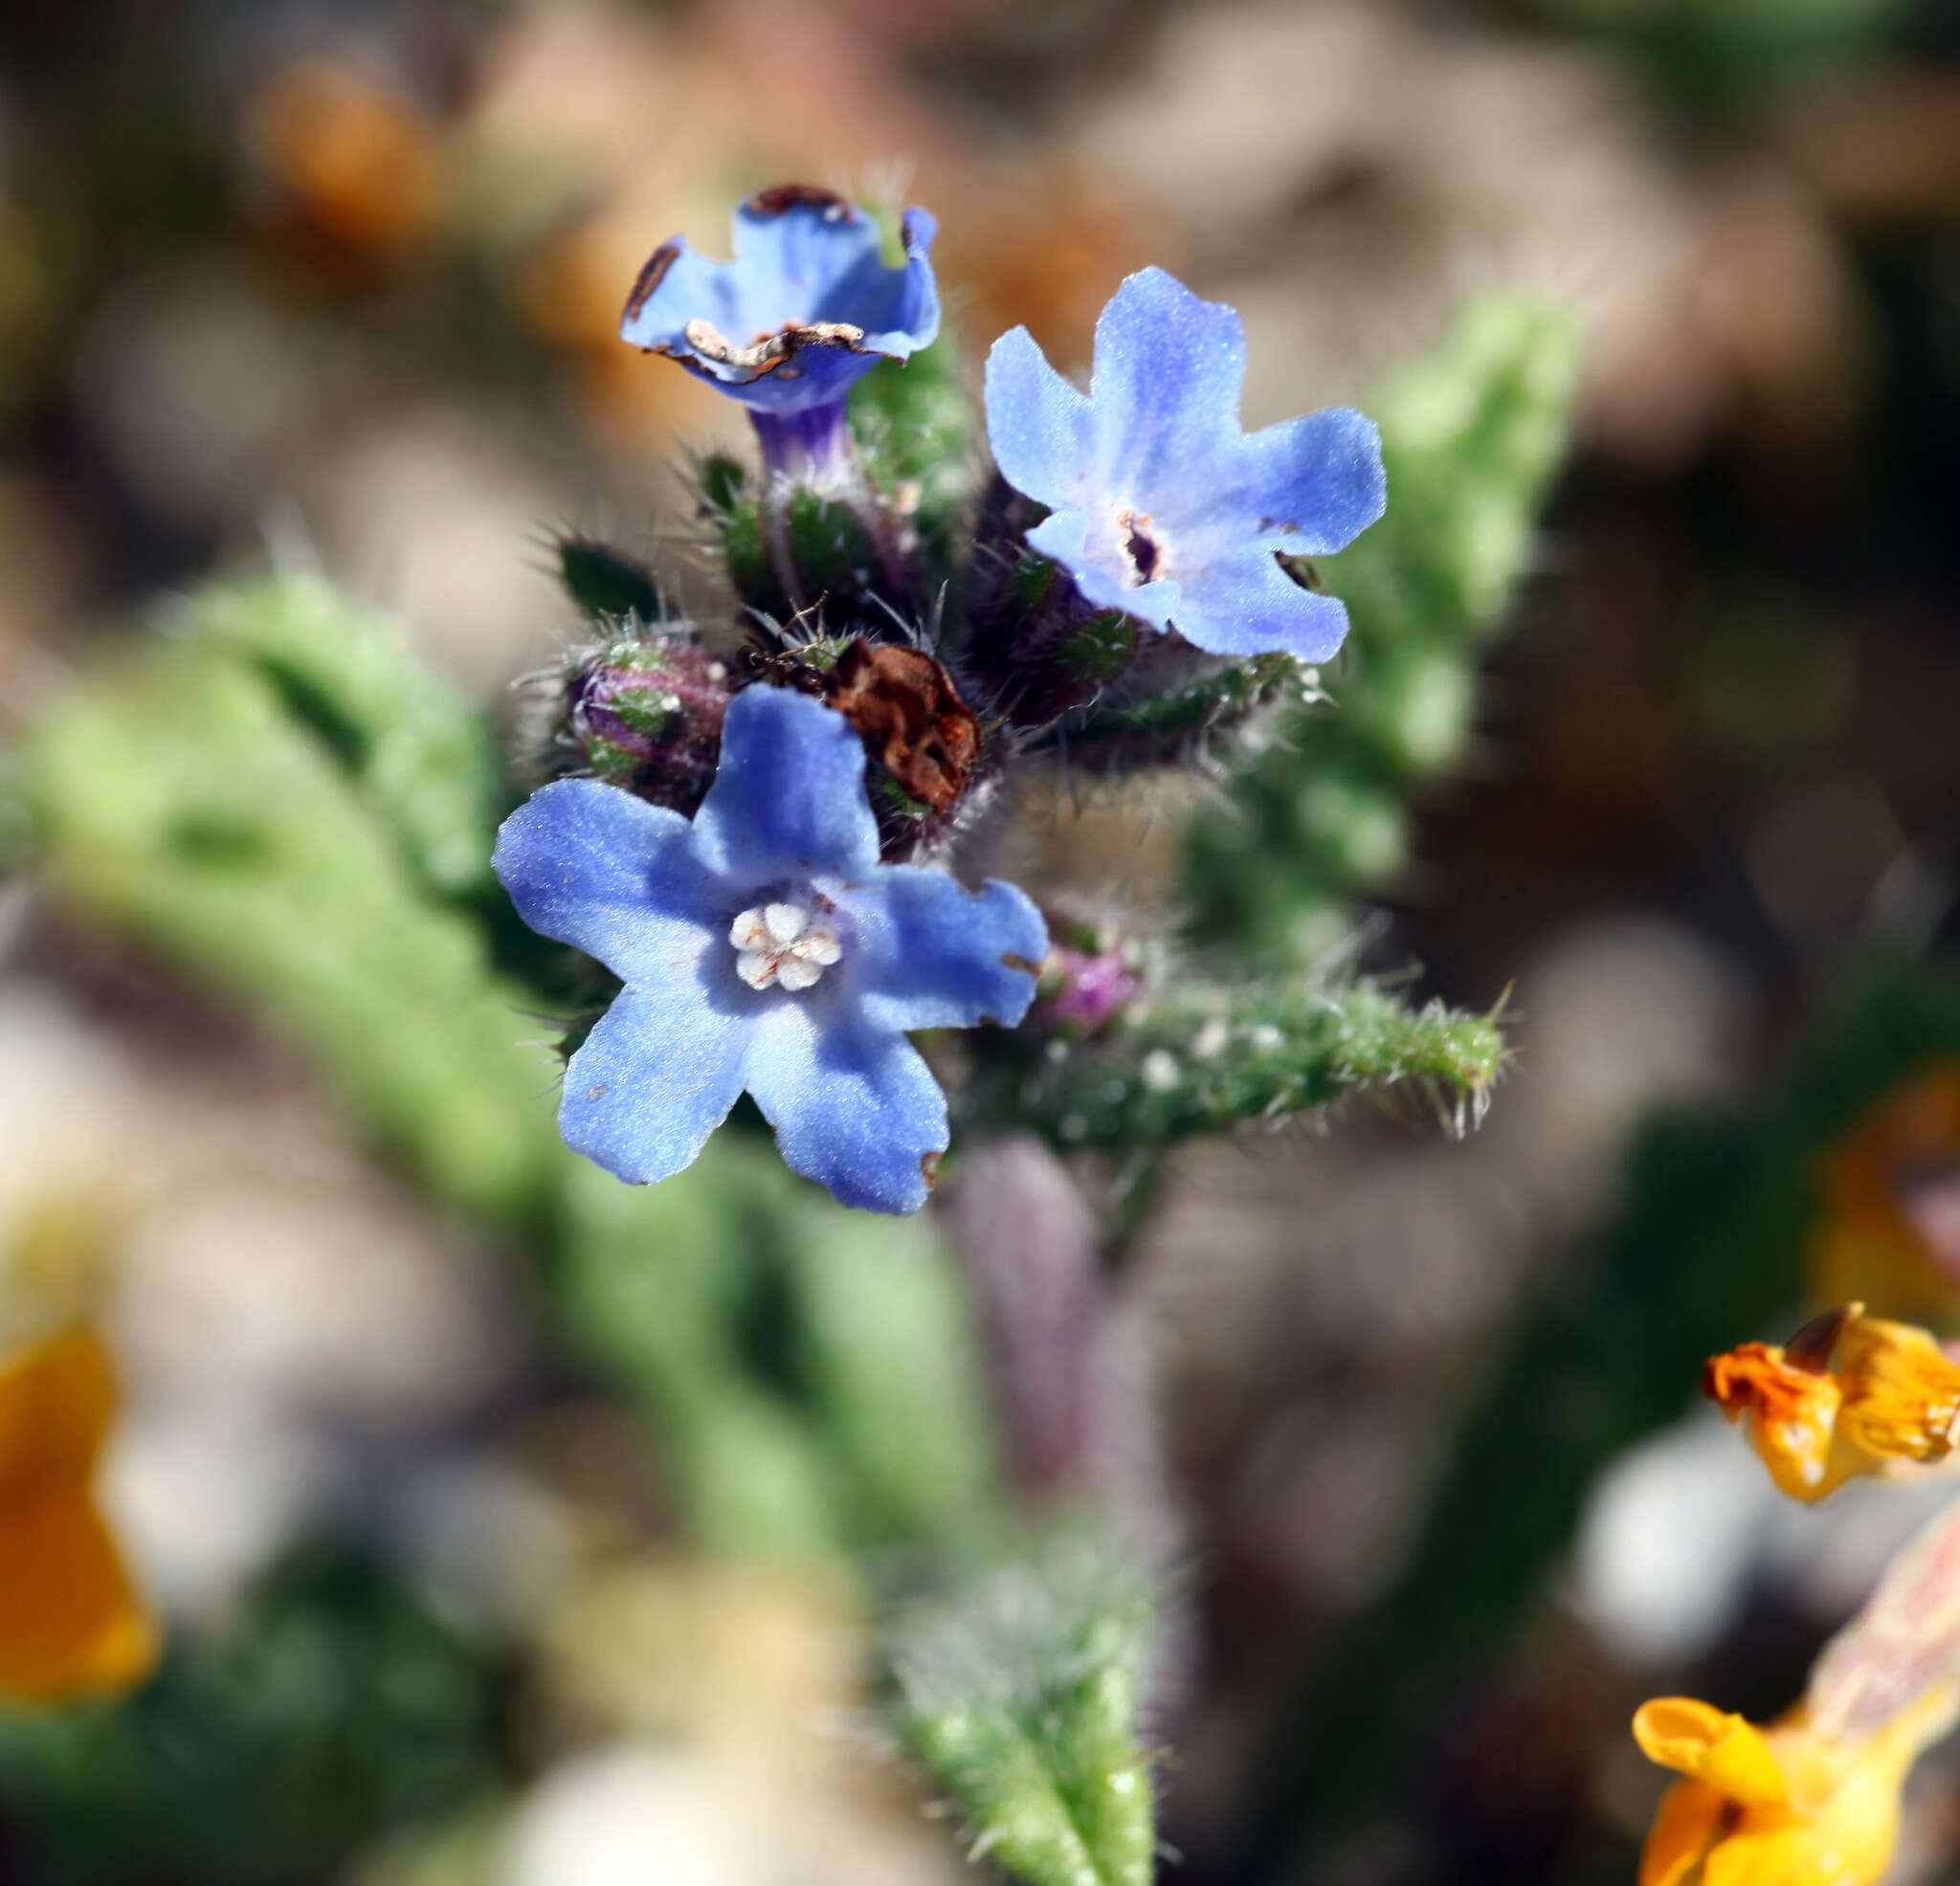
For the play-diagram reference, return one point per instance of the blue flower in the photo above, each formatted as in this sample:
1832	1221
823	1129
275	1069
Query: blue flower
765	948
1161	506
805	310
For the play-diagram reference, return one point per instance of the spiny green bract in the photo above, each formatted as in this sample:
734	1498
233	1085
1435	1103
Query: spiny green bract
1194	723
606	583
1200	1060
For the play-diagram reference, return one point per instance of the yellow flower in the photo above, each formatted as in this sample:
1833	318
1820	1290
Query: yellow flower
1786	1806
1887	1228
70	1620
1851	1394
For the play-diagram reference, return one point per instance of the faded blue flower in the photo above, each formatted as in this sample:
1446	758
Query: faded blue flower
765	948
806	309
1161	506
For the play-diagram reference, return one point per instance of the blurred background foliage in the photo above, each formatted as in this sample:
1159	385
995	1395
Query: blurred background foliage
511	1525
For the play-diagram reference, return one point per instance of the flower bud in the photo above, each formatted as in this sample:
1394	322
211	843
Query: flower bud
1088	980
639	712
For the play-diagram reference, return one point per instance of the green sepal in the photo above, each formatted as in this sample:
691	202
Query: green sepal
916	427
722	479
794	551
745	552
1030	580
1098	652
830	550
1182	723
606	583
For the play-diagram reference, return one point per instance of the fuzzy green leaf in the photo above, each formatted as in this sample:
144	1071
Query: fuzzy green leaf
1471	435
1021	1695
1200	1060
422	759
176	796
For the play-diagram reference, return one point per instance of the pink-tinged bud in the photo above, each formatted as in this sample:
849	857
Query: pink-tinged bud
645	715
1082	991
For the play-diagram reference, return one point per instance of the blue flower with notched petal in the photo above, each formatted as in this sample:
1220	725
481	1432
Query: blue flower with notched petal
805	309
765	948
1162	506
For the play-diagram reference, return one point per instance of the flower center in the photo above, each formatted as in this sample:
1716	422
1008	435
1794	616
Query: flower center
768	353
782	942
1143	551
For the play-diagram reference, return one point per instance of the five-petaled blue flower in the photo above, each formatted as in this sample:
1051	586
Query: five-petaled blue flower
1161	505
764	948
806	309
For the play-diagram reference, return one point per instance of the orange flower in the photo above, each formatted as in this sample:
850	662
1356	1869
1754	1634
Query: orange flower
1786	1805
70	1621
1851	1394
1813	1800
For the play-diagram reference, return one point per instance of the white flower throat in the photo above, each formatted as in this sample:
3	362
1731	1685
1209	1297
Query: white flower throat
783	943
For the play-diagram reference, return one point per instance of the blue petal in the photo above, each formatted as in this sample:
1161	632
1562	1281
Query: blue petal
1165	385
611	875
796	256
930	953
1063	535
788	798
1040	427
1244	603
657	1076
801	256
896	308
677	285
1309	486
853	1108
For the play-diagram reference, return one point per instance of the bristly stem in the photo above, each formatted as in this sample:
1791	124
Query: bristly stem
813	449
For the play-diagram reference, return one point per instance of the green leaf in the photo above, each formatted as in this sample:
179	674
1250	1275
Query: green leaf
424	762
1021	1693
176	796
865	1425
1471	435
653	1283
1200	1060
886	1331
